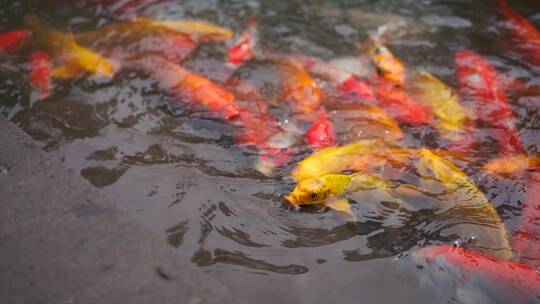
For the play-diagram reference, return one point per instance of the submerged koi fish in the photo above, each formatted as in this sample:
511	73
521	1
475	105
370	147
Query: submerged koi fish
243	49
136	37
299	87
524	33
74	59
489	279
480	82
11	42
511	164
401	105
469	202
334	159
321	133
329	190
394	99
199	30
188	85
443	102
40	69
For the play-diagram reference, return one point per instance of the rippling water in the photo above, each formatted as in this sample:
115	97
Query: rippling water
181	173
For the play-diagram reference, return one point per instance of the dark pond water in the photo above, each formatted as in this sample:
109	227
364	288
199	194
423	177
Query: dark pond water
181	173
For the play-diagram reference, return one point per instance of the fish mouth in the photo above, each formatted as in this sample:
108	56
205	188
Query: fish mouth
292	201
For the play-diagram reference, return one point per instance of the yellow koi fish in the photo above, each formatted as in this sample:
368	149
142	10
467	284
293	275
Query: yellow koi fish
74	59
329	190
136	29
451	116
470	206
334	159
387	66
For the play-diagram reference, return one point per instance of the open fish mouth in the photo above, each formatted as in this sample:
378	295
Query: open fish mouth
292	201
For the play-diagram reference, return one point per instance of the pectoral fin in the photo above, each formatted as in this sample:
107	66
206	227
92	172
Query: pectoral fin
341	205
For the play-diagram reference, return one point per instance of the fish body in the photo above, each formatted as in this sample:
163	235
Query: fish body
321	133
12	41
468	203
333	159
401	105
200	30
524	33
188	85
479	81
357	88
299	87
443	102
481	278
511	164
74	59
40	69
386	65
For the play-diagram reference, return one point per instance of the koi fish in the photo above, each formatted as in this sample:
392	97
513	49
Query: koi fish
334	159
199	30
188	85
470	203
480	82
299	87
329	190
133	38
489	279
11	42
40	66
443	102
243	48
385	64
511	164
524	33
321	133
527	238
394	99
74	59
401	105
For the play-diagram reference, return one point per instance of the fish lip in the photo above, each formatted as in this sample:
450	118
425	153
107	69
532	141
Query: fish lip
292	201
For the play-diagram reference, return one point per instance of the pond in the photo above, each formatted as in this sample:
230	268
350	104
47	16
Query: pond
212	179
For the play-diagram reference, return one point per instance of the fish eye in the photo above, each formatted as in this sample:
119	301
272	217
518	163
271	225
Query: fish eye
314	195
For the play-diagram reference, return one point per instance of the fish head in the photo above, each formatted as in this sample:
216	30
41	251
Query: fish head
307	96
308	192
388	66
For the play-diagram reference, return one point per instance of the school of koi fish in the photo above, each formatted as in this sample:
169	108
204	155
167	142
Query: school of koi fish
349	156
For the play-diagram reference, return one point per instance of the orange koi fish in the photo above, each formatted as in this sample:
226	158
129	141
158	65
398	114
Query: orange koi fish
523	32
40	66
188	85
480	82
511	164
488	279
321	133
394	99
11	42
299	87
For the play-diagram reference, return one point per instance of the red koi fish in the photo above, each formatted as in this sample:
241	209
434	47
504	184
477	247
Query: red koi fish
500	280
243	49
40	69
527	239
394	99
11	42
480	82
321	133
188	85
256	128
523	32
